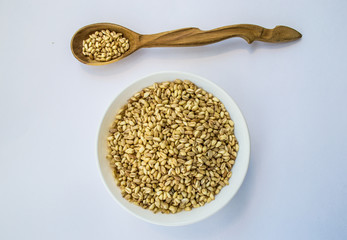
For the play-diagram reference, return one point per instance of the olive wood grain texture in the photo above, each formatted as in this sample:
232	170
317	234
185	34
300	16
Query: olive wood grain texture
185	37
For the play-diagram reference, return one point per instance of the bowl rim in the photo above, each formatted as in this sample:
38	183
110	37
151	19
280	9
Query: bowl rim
247	141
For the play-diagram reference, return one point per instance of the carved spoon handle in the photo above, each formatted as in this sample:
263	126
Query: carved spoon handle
188	37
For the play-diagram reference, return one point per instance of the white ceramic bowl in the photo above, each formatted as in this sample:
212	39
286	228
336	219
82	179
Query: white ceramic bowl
239	170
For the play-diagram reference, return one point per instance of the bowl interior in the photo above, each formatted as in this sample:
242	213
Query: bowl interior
239	170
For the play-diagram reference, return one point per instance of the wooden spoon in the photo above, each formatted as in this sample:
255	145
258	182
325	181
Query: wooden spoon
185	37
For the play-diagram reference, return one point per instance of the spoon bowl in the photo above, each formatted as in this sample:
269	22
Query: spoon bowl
84	32
185	37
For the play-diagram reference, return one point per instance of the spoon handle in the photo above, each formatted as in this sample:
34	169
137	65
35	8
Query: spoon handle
188	37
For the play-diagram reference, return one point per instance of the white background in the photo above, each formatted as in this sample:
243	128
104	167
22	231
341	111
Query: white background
293	97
